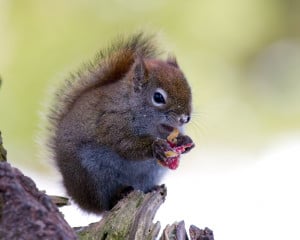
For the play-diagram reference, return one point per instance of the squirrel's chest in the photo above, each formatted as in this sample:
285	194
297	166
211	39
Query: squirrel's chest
143	175
101	162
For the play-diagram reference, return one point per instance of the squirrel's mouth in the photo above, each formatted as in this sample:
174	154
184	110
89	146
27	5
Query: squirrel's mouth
166	128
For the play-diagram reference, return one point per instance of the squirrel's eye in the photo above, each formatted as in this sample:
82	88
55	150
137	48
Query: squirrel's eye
159	97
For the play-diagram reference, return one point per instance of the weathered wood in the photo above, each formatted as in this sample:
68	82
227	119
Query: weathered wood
59	201
199	234
130	219
176	231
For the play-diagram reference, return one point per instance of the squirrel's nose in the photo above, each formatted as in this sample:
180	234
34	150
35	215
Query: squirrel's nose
184	119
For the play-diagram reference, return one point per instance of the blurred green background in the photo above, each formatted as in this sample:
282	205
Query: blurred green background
242	58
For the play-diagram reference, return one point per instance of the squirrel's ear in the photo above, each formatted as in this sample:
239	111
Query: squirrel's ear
172	61
140	74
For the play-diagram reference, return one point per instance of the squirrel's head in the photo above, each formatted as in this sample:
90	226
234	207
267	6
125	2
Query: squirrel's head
163	93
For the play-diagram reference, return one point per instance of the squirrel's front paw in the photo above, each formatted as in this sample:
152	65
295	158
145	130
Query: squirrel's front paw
186	141
161	148
167	152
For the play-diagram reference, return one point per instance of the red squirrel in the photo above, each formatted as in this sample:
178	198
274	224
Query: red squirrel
111	121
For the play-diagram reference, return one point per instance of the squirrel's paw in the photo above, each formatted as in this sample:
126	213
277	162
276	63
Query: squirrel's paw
161	149
167	152
186	141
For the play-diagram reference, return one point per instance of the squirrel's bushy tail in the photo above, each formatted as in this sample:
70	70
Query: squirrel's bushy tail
138	43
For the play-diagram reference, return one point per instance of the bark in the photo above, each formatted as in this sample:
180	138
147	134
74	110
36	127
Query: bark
27	213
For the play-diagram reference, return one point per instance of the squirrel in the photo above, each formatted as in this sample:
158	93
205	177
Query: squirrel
110	122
